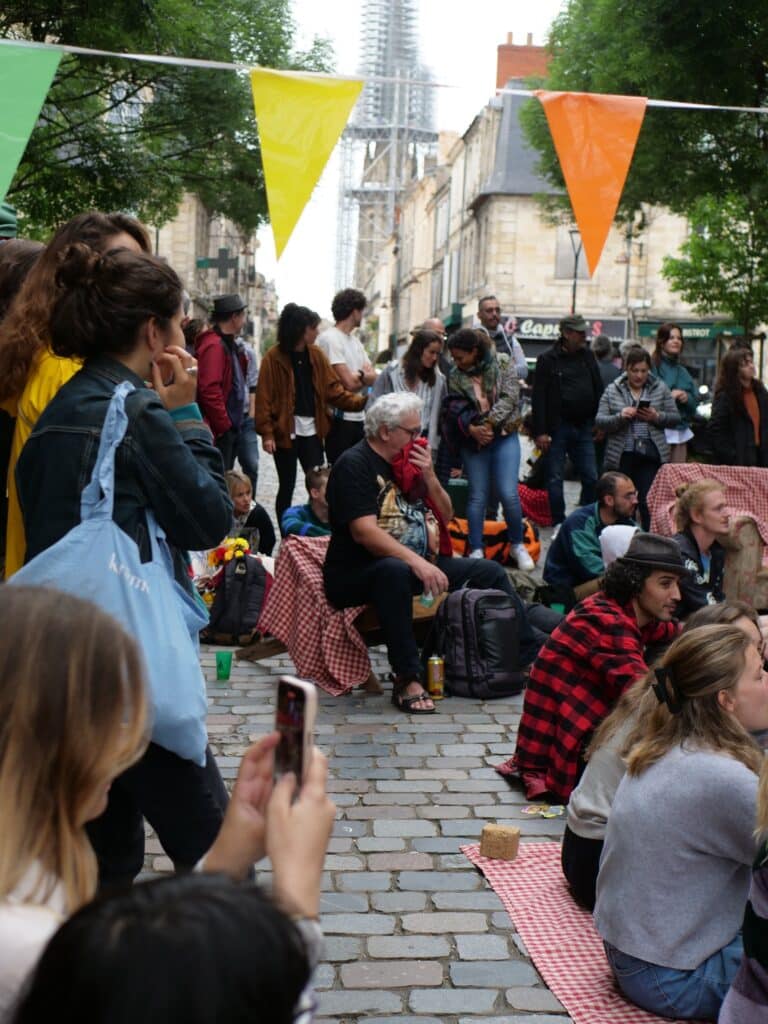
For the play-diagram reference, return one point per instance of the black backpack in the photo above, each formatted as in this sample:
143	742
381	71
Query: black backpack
237	606
476	632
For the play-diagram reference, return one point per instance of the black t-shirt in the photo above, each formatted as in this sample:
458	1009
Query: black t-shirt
354	490
577	388
302	375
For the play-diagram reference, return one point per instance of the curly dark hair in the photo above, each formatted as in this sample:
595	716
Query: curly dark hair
622	582
345	302
291	325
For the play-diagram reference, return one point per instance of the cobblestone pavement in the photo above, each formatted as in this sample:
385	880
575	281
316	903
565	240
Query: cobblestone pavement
414	935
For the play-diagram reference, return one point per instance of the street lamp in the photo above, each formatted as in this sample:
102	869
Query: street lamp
576	243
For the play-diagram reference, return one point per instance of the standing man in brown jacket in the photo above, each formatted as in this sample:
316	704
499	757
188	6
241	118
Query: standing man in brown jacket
296	386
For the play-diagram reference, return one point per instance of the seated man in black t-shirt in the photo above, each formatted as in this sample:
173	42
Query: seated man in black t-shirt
365	564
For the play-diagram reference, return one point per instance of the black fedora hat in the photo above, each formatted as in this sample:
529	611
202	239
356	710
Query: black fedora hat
225	305
654	552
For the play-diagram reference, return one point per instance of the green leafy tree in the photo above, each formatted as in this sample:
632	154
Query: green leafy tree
120	134
723	265
677	50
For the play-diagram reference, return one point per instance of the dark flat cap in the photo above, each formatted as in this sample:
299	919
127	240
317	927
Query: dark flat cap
654	552
573	323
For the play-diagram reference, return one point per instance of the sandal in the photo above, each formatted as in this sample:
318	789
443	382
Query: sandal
404	702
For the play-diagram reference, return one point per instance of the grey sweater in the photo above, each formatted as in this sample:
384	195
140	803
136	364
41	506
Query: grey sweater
675	869
609	419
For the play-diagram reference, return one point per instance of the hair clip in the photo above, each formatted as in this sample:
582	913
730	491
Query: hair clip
664	688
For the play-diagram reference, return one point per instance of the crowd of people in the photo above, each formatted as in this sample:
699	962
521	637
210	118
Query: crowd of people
646	702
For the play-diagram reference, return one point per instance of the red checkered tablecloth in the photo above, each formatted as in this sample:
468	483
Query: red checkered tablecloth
322	641
560	937
746	491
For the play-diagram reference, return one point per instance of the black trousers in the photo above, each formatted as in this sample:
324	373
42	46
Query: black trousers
642	471
581	861
305	450
389	585
183	803
343	434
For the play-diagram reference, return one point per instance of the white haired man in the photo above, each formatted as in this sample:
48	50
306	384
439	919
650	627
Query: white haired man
367	564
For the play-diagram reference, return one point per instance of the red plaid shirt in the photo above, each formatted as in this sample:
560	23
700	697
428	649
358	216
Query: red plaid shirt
580	673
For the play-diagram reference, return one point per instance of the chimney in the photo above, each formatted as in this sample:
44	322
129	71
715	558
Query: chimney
519	62
529	39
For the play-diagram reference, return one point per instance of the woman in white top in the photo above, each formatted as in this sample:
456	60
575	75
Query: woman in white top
418	372
680	842
73	716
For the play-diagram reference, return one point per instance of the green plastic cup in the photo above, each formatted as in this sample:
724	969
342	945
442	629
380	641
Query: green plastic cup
223	664
555	608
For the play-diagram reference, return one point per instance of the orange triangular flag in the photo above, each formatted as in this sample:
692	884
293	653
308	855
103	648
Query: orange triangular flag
595	137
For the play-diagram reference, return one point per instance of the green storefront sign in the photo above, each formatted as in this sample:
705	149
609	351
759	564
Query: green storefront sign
693	330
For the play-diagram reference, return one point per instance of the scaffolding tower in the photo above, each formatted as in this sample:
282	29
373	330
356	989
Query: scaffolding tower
384	146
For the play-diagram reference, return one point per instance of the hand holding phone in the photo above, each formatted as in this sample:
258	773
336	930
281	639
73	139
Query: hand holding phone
644	403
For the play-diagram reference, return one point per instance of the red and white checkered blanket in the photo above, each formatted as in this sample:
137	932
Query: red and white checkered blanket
322	641
559	936
746	491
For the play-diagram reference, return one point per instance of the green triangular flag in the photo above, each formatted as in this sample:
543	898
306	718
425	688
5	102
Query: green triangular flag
26	74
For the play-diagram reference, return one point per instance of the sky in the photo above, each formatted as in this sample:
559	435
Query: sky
458	42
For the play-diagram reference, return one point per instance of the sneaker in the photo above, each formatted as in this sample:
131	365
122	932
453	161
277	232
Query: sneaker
477	553
524	560
556	531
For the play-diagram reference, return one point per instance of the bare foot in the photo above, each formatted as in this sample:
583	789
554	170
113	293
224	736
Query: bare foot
371	684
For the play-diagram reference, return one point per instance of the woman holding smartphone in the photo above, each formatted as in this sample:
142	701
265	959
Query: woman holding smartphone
633	413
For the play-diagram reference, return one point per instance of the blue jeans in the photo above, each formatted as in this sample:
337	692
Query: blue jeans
247	451
695	994
493	468
577	442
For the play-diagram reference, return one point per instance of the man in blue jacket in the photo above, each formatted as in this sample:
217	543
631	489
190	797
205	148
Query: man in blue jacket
575	556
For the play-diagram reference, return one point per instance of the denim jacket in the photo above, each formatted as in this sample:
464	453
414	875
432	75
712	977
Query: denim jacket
166	462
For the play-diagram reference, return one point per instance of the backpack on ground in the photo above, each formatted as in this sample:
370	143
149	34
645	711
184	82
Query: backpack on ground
476	632
238	602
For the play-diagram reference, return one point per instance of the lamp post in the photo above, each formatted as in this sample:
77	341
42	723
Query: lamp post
576	244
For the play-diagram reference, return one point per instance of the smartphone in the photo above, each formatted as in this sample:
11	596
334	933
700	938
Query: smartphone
295	722
644	403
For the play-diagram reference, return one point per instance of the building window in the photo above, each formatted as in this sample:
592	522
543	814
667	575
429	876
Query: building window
564	256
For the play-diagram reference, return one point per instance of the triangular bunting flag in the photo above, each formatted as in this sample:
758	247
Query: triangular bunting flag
300	118
595	137
26	74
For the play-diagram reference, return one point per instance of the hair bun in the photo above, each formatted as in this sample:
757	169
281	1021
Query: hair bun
79	266
682	488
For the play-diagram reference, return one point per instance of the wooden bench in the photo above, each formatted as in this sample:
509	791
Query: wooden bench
367	624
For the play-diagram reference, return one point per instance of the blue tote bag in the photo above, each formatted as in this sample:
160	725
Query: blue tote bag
99	561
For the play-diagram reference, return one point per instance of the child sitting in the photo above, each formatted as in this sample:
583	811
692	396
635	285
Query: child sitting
310	520
249	515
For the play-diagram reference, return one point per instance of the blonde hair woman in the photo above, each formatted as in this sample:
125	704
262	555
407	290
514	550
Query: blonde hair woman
674	873
73	715
701	518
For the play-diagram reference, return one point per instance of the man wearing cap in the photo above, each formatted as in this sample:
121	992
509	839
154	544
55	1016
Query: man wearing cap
590	660
489	315
222	370
566	393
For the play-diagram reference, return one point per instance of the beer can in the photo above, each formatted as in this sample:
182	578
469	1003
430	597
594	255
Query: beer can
435	678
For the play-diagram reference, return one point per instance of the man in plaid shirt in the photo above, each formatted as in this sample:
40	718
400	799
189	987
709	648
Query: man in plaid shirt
590	659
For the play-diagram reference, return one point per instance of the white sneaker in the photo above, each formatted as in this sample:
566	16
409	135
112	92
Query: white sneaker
556	531
477	553
524	560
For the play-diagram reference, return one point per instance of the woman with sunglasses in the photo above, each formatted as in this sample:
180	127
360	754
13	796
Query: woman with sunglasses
680	841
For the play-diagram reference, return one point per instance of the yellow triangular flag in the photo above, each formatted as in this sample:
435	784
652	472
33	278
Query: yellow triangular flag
300	118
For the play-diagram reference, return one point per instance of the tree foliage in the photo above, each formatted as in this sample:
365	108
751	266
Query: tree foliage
723	265
119	134
675	50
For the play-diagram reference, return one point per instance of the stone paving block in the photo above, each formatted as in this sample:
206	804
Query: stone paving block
446	1000
360	764
358	924
411	947
443	811
492	974
470	829
405	799
341	947
364	881
339	845
483	727
455	762
457	799
349	828
416	749
358	1002
501	919
343	903
440	923
398	762
377	844
455	862
434	881
482	947
532	999
466	785
371	773
411	861
431	785
346	799
403	1020
394	812
392	974
437	845
465	900
399	902
358	750
348	786
324	976
424	775
404	828
337	862
464	750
